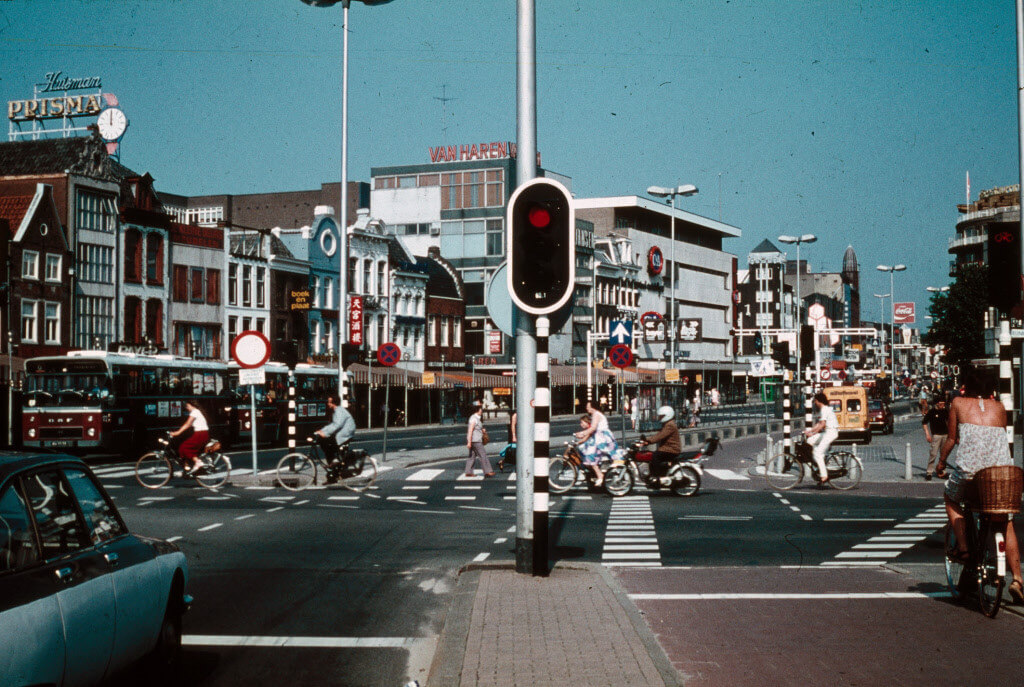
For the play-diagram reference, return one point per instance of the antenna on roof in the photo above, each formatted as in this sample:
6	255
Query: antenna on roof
444	112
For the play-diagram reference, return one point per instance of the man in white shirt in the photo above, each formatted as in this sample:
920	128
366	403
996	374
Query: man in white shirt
823	433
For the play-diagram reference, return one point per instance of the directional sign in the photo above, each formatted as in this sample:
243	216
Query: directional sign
620	356
388	354
620	332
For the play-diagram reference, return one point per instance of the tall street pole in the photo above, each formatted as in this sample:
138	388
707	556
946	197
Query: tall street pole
672	296
526	342
1020	133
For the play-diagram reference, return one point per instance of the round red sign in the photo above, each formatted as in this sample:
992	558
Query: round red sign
250	349
655	260
620	356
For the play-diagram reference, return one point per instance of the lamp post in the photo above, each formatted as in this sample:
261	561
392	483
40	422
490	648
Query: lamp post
881	316
892	319
343	210
937	289
671	193
798	240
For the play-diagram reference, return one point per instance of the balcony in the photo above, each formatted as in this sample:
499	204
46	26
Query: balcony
969	237
988	213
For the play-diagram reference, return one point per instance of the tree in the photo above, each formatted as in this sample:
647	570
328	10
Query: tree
958	316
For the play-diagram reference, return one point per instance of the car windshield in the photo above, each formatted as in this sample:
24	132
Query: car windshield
875	405
66	389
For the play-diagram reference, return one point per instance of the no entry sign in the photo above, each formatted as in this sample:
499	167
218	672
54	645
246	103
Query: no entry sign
250	349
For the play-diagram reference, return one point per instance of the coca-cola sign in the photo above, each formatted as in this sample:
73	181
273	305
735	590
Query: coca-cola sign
903	313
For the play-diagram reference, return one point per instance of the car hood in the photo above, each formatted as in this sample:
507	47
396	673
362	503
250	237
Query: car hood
159	545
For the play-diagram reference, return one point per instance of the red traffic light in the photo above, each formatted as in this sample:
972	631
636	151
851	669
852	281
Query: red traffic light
539	217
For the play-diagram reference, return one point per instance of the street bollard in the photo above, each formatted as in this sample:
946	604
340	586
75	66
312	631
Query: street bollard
907	475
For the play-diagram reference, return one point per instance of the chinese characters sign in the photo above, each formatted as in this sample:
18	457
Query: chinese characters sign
355	320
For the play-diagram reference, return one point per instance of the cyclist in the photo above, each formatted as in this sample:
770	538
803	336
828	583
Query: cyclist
338	432
980	430
596	440
823	433
190	448
669	445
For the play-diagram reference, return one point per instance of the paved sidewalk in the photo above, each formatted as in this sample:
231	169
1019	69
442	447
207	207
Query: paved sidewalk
575	627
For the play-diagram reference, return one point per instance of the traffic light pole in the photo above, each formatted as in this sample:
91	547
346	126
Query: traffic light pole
526	344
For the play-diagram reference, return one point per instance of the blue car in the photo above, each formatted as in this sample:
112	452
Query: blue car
81	598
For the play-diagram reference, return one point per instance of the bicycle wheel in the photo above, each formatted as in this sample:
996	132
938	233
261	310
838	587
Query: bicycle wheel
562	474
990	582
783	471
844	470
618	480
215	470
153	470
686	481
954	567
296	471
362	472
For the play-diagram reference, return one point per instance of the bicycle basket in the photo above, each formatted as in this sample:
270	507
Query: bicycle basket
212	446
999	489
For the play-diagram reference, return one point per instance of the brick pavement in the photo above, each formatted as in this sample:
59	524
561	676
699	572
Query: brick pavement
576	626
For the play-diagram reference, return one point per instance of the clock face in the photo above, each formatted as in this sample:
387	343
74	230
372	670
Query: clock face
111	124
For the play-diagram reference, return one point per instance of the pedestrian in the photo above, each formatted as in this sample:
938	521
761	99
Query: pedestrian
634	411
191	447
508	456
715	397
935	424
475	442
695	409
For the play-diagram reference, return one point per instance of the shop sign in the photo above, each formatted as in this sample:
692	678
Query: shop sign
691	330
672	375
495	150
655	260
299	299
494	341
502	391
355	320
428	378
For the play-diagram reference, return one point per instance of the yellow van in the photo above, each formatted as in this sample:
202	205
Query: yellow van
851	406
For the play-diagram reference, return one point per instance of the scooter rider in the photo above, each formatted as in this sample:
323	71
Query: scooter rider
669	445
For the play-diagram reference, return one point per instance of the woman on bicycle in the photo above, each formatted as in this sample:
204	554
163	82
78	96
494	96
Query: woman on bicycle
596	441
977	423
191	447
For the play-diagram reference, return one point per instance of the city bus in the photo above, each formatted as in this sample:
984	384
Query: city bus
95	401
313	384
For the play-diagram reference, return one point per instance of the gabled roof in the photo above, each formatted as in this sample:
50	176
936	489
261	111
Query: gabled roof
85	155
13	209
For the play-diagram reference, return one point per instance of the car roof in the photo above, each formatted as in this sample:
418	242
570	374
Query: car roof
12	463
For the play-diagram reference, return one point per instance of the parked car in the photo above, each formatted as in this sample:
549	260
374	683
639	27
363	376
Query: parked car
880	416
81	598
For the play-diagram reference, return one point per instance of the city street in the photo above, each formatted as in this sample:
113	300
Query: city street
332	587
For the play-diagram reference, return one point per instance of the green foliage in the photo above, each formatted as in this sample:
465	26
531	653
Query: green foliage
958	316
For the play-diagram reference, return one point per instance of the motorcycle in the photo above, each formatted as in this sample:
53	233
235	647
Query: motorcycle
685	471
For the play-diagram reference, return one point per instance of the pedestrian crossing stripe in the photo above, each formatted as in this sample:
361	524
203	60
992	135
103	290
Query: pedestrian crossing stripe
893	542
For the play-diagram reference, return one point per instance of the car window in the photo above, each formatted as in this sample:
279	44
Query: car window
17	543
53	508
100	517
853	405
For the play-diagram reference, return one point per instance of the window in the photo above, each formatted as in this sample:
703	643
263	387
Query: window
154	259
328	292
460	190
29	321
232	327
316	292
233	284
94	321
180	284
95	263
495	237
353	267
155	321
53	267
17	542
95	212
381	280
444	332
261	325
407	182
133	255
247	285
367	276
495	188
52	323
261	295
456	332
101	521
196	284
60	529
317	341
432	330
382	335
213	287
329	336
29	264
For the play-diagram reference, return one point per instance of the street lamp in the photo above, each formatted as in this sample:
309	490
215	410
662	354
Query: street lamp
892	318
881	313
343	210
671	193
937	289
798	240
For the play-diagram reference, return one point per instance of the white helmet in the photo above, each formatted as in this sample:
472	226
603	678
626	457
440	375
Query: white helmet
666	413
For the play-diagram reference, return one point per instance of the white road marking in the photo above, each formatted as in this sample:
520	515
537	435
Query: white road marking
425	475
480	508
480	558
173	539
416	487
210	527
302	642
739	596
460	498
717	517
726	474
246	516
271	510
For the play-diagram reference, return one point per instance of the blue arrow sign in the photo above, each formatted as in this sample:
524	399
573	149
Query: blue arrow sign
621	332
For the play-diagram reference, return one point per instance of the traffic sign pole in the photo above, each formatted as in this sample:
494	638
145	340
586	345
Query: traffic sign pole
251	350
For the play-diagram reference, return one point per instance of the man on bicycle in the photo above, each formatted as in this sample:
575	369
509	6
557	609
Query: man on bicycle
823	433
338	432
669	445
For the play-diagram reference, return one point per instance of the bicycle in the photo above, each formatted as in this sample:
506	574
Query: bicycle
564	470
785	470
354	469
155	469
986	538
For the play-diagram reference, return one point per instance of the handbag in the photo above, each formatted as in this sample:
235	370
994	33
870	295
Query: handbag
484	438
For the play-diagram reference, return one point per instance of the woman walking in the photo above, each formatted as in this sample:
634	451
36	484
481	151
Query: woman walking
475	443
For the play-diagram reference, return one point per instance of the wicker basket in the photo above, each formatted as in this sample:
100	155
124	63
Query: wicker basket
999	489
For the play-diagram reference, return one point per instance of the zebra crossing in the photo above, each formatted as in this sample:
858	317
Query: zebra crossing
891	543
630	538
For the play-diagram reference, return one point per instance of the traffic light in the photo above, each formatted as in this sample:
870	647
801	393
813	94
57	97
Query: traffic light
541	230
1004	274
758	343
780	353
286	352
806	344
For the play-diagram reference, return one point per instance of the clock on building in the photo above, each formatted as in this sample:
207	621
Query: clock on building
111	123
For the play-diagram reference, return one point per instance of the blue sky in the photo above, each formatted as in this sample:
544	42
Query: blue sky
855	121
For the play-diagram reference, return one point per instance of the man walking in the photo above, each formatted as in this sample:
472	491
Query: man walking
935	425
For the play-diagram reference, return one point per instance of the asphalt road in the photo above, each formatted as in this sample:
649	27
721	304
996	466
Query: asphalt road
331	587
